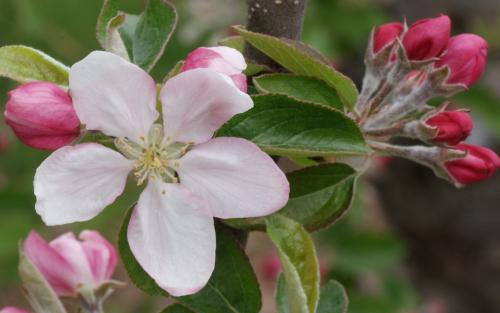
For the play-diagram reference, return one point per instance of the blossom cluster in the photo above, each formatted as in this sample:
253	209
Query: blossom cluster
407	66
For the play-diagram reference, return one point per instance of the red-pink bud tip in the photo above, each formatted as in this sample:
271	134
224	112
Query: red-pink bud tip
452	127
385	35
465	56
41	115
12	309
479	164
427	38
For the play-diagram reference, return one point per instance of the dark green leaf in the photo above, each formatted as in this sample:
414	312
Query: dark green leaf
281	125
233	287
177	308
298	260
333	298
24	64
299	61
299	87
137	275
281	295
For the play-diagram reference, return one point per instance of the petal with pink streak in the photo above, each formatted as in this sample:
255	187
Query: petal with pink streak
101	255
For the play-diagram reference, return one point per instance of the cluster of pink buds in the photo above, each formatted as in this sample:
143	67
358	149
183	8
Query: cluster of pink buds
407	66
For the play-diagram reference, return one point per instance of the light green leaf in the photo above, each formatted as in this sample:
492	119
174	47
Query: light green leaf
302	62
114	41
298	87
233	287
109	10
299	262
177	308
282	295
24	64
37	290
137	275
285	126
235	42
333	298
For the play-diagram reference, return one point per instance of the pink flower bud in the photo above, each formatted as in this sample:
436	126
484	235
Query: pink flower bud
68	263
452	127
479	164
427	38
385	35
12	309
465	57
225	60
41	115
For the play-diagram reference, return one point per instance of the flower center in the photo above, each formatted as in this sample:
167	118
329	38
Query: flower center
156	157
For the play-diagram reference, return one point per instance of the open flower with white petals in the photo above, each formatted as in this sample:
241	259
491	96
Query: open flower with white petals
190	177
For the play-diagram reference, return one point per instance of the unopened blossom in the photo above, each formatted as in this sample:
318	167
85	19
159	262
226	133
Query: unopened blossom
427	38
478	164
190	177
68	263
465	57
385	35
452	127
41	115
224	60
12	309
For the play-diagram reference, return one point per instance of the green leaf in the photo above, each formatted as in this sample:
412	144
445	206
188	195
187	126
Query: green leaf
153	31
24	64
177	308
282	295
233	287
319	195
235	42
137	275
299	87
37	290
333	298
284	126
300	61
299	262
109	10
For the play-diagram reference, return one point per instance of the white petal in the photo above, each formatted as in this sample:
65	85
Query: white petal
75	183
113	95
197	102
235	177
231	56
172	236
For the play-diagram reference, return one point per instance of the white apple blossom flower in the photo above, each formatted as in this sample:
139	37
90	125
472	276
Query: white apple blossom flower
190	177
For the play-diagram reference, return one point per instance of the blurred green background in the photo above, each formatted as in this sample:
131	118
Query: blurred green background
361	251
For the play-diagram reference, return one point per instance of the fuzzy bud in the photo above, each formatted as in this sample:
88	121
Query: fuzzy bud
385	35
465	57
427	38
69	264
41	115
479	164
225	60
452	127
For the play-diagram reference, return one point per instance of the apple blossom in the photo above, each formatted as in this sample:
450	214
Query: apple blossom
12	309
479	164
42	116
69	264
465	57
452	127
190	177
225	60
427	38
386	34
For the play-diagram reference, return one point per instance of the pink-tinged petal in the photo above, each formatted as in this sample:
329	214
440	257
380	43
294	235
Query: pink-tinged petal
54	267
113	95
197	102
223	60
72	250
75	183
240	80
101	255
172	236
235	177
12	309
231	56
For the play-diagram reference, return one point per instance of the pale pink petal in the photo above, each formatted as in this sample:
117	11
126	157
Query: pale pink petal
101	255
54	267
224	60
12	309
231	56
240	80
235	177
72	250
75	183
197	102
172	236
113	95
